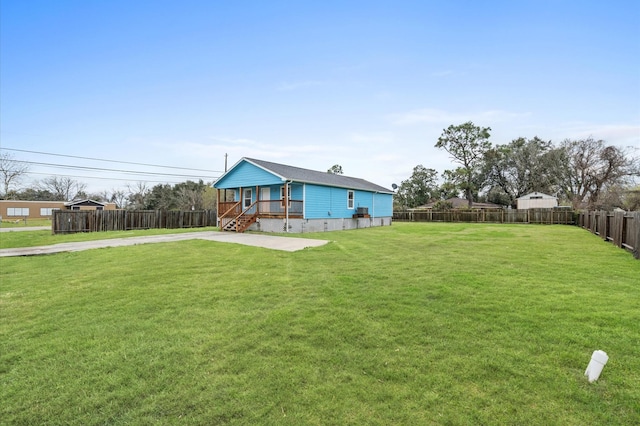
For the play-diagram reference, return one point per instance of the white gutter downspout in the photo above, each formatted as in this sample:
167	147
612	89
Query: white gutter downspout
286	205
373	207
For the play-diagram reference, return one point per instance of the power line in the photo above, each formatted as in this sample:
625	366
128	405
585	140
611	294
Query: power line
109	161
67	166
101	178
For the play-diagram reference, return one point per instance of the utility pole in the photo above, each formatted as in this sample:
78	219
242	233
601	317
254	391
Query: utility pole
225	170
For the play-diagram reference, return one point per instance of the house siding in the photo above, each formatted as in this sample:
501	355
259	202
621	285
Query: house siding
326	202
246	175
274	192
540	201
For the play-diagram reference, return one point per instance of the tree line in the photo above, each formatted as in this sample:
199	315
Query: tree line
187	195
583	173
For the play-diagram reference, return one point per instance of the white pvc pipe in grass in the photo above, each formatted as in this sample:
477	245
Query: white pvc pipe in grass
598	361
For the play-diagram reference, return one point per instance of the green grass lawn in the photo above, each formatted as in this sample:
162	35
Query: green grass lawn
21	223
409	324
44	237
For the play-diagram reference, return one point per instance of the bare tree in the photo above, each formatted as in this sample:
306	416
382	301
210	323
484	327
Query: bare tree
119	197
592	168
138	195
11	171
63	188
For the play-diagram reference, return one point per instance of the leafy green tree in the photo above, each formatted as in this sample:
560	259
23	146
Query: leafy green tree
419	189
632	199
467	145
521	167
161	197
34	194
336	169
209	197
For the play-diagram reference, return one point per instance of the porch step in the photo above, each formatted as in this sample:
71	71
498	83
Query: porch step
243	223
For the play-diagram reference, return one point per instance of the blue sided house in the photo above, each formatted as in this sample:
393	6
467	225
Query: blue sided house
273	197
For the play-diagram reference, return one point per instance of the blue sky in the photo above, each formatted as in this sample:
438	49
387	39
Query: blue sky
369	85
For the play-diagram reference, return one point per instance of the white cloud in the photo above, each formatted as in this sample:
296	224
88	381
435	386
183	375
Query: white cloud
615	134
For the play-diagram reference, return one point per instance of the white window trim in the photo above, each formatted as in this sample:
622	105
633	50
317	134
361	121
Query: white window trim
351	199
246	191
282	195
47	211
17	211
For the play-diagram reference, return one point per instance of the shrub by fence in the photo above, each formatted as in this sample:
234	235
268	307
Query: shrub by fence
620	228
71	221
547	216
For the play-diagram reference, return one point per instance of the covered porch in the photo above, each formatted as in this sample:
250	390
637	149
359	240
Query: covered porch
251	204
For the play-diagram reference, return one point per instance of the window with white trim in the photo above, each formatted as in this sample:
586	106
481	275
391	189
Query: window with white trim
17	211
351	199
47	211
282	195
247	196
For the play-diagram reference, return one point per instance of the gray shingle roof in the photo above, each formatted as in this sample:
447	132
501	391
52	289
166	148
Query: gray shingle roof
298	174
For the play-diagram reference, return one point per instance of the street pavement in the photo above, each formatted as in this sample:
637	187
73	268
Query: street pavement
26	228
272	242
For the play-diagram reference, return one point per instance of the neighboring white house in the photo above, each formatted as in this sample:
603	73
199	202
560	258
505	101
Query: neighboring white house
537	200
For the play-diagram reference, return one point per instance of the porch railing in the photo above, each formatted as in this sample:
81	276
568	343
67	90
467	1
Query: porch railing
229	208
265	208
275	208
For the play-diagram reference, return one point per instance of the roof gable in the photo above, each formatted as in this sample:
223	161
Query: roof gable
91	203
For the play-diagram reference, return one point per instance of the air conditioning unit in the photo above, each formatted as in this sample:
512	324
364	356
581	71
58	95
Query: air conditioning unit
361	211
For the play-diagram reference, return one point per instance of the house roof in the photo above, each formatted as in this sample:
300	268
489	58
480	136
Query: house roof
84	203
535	194
301	175
461	203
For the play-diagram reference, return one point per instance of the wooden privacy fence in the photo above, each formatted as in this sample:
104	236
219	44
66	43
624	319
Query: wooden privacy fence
547	216
620	228
71	221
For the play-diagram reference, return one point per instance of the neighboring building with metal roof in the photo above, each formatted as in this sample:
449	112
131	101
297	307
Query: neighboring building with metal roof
274	197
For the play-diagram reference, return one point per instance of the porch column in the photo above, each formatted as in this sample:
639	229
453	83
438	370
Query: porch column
218	207
286	205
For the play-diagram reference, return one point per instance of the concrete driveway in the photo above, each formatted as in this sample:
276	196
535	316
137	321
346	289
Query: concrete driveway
272	242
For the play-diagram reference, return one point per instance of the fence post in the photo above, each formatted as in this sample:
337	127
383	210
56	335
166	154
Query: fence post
636	234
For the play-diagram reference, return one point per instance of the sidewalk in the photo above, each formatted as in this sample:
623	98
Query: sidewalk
272	242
